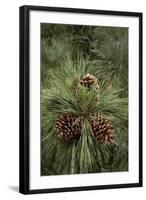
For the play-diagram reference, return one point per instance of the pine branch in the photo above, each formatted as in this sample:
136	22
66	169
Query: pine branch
102	53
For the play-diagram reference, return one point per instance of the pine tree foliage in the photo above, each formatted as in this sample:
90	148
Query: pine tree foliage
112	56
68	54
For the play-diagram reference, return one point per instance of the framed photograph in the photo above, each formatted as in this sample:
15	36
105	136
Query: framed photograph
80	99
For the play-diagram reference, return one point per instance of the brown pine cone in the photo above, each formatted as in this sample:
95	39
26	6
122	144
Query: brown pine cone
89	81
68	126
102	129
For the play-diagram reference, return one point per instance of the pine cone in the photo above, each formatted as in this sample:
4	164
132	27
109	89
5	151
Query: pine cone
68	127
89	81
102	129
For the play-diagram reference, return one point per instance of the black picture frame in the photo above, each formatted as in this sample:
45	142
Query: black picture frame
25	105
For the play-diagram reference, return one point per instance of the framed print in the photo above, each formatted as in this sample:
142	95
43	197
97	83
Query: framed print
80	99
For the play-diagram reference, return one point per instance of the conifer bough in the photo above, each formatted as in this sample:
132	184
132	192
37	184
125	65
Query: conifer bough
68	125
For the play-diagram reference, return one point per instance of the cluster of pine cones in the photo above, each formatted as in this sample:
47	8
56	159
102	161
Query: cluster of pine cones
68	125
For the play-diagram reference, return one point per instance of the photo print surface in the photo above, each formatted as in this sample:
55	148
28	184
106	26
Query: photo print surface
84	99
